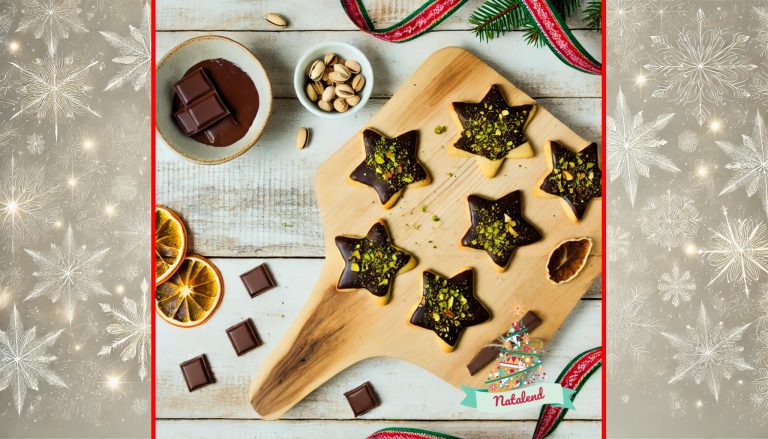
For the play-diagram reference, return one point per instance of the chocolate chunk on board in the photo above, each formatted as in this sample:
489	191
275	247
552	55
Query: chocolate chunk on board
193	85
362	399
482	359
258	280
244	337
197	372
490	352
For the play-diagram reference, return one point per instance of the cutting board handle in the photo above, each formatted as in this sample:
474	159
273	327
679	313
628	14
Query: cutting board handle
320	344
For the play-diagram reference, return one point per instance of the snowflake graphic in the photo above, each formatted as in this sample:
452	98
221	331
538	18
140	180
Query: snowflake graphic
676	287
134	54
669	220
761	13
759	394
35	143
53	88
688	141
633	146
708	352
701	67
123	188
8	134
25	204
25	361
739	251
7	15
131	330
631	323
749	163
51	19
69	272
618	242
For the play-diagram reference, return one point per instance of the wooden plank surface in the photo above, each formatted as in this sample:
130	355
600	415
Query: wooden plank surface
301	15
407	392
534	70
264	203
247	429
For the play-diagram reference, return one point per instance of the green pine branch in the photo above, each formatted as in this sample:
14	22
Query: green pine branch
495	18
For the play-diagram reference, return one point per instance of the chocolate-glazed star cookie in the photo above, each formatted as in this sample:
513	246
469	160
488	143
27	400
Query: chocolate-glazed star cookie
498	227
372	262
492	130
390	165
575	177
448	306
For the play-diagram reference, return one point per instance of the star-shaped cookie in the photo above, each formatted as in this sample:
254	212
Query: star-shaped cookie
448	306
492	130
390	165
372	262
498	227
575	178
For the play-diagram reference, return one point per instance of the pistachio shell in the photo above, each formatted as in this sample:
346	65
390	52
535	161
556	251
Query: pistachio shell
325	105
276	20
330	58
329	93
344	91
337	77
353	100
302	138
342	70
353	66
358	83
340	105
318	88
311	93
316	70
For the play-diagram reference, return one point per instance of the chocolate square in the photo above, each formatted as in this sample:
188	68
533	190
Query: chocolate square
244	337
197	372
258	280
531	321
362	399
192	86
207	110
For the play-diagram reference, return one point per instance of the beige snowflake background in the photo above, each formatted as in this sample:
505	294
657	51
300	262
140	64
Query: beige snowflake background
74	218
687	226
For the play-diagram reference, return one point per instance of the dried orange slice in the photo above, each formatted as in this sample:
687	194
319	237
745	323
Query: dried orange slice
568	259
192	294
170	243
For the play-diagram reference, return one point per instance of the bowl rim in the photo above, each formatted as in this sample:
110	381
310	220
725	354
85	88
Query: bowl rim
299	82
267	107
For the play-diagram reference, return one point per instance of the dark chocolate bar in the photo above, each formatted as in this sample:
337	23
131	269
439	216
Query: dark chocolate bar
207	110
362	399
490	352
193	85
197	372
258	280
244	337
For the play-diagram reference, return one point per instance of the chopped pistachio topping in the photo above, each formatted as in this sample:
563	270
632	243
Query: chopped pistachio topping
440	129
496	233
575	177
389	164
493	131
375	264
445	305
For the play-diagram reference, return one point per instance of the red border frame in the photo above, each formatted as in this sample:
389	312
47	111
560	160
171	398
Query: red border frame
604	203
153	202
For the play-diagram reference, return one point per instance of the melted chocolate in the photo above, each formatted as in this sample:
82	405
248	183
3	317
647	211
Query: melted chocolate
371	262
575	176
240	96
498	227
492	128
448	306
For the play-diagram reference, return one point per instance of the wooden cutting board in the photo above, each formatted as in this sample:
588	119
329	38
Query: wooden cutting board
337	329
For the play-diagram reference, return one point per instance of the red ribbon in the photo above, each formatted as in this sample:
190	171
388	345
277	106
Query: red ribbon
573	377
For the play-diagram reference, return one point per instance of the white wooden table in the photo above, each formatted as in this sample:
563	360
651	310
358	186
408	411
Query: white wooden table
261	208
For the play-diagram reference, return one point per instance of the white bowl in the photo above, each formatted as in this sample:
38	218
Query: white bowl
173	66
346	51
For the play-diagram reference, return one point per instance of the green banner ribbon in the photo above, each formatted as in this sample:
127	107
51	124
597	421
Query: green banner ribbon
517	399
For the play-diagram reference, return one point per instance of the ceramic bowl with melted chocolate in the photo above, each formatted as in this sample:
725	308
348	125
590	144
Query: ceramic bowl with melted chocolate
235	79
